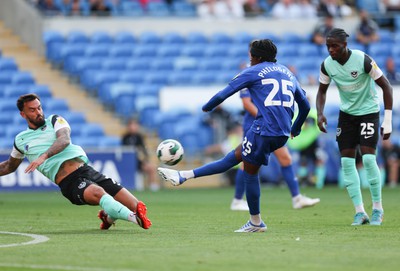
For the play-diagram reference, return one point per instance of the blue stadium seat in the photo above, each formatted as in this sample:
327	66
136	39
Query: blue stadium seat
125	106
193	50
77	66
287	50
93	79
93	130
149	37
173	38
23	78
158	9
292	38
134	77
162	64
51	36
216	50
243	38
145	50
131	9
115	64
156	78
77	37
97	50
379	49
124	37
211	64
309	50
101	37
109	141
185	64
183	9
137	64
67	51
8	64
195	37
55	106
238	51
13	130
204	77
180	78
221	38
74	117
356	46
108	93
7	106
121	50
14	91
6	77
167	50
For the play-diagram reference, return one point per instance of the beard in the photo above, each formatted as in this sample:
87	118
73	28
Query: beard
38	121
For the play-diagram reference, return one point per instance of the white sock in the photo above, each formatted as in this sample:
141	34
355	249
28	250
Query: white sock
360	208
377	205
188	174
132	217
255	219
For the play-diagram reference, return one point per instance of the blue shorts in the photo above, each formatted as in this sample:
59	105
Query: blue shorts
257	148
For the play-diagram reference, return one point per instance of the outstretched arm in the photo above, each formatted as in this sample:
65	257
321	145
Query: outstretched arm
9	166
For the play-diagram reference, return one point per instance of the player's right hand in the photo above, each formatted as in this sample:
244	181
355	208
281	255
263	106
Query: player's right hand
322	123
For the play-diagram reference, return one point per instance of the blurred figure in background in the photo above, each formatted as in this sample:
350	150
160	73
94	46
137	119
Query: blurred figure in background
322	29
391	73
312	158
367	29
391	156
134	137
286	9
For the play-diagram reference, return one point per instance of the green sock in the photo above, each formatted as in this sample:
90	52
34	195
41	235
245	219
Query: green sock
363	177
373	176
351	180
320	173
115	209
383	176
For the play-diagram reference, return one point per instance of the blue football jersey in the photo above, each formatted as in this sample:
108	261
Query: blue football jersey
273	90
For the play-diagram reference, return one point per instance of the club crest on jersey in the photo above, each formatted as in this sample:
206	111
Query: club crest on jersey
61	120
354	74
26	147
82	185
338	131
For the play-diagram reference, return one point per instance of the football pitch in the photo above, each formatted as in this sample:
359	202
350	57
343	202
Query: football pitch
193	230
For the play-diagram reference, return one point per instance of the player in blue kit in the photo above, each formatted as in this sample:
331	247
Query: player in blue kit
355	75
274	90
47	146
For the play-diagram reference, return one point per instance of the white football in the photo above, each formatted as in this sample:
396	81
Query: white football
170	152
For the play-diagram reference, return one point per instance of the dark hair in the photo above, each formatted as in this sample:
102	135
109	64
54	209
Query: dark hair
26	98
337	33
265	49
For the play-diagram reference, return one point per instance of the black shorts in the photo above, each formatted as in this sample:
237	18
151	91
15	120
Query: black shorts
357	130
73	186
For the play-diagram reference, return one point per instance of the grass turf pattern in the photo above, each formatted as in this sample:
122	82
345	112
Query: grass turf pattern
193	230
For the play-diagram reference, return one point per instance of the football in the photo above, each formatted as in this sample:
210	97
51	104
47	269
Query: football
170	152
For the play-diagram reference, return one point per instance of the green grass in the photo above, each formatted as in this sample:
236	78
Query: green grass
193	230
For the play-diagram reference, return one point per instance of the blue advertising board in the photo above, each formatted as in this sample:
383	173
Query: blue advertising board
118	164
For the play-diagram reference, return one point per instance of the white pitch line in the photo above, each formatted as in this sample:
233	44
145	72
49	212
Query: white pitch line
36	239
60	267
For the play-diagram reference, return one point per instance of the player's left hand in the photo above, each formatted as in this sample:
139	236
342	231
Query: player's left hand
34	164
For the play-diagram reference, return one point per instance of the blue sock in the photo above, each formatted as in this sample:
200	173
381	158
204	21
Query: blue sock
218	166
239	184
253	192
291	180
